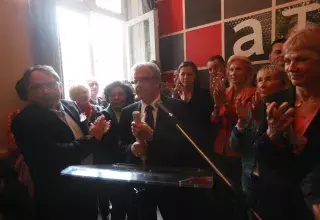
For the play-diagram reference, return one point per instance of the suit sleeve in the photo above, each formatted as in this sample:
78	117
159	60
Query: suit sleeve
36	143
126	138
242	142
272	154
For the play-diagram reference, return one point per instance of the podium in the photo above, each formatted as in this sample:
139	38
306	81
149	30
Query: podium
142	175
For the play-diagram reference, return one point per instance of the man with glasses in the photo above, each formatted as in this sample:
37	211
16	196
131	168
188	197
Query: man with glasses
95	99
160	144
52	134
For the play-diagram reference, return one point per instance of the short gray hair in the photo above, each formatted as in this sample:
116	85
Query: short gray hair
76	88
156	73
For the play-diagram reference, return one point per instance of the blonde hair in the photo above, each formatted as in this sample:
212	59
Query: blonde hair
272	68
307	38
78	87
247	64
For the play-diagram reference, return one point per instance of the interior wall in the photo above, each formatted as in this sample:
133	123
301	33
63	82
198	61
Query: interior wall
195	30
15	57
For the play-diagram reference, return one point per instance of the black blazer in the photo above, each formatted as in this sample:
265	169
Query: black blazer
168	147
48	146
200	108
109	150
281	171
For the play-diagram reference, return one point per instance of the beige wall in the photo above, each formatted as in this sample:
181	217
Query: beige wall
15	56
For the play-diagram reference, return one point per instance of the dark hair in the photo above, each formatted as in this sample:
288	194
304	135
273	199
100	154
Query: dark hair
188	64
23	84
280	40
128	90
217	57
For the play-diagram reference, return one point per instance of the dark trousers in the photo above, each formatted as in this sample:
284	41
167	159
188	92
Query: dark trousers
230	203
15	202
122	201
250	186
52	210
175	204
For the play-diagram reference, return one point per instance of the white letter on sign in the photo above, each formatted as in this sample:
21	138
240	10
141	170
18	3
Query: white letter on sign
302	13
257	46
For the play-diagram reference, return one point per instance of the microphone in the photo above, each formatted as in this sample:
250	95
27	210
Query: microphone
160	105
137	119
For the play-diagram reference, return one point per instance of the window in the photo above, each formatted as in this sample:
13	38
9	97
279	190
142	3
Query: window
112	5
97	42
88	49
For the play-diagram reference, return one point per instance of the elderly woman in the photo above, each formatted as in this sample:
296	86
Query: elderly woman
289	148
119	95
224	118
81	93
270	82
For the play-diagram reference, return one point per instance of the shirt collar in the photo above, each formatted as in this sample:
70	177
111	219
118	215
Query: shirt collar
153	103
61	108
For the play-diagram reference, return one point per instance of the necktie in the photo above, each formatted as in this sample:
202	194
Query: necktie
149	116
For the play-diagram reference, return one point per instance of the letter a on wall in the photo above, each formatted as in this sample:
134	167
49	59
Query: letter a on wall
256	37
249	36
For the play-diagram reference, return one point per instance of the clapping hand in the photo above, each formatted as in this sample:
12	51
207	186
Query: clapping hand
219	91
242	112
256	106
99	127
177	91
278	118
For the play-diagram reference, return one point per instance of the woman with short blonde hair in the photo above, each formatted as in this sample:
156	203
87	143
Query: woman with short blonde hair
224	116
80	93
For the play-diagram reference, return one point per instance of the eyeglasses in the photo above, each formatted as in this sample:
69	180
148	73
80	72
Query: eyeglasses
50	85
92	84
142	80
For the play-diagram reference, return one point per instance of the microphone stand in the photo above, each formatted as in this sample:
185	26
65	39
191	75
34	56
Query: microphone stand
204	156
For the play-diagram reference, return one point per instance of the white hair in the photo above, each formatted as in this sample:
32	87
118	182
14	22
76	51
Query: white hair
153	67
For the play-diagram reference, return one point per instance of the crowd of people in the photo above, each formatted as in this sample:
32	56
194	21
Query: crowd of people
259	129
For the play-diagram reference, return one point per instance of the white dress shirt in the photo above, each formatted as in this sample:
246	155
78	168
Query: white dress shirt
75	128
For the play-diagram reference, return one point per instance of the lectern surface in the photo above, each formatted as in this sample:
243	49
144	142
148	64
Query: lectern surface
126	173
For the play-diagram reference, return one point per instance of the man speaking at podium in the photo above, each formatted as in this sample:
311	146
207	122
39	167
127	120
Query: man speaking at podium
156	141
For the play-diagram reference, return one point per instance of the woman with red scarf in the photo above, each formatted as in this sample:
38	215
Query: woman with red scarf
81	93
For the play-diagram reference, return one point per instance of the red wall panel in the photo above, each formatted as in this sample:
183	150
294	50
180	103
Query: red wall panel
170	16
203	43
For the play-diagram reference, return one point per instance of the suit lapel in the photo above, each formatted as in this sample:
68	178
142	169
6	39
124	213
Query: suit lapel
76	118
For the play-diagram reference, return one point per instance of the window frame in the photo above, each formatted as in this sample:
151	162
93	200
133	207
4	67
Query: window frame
90	5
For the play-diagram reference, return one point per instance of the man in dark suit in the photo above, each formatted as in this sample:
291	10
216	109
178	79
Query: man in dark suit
160	143
52	134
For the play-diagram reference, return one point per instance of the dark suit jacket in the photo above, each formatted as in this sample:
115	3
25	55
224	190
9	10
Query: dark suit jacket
109	150
200	108
281	171
48	146
168	147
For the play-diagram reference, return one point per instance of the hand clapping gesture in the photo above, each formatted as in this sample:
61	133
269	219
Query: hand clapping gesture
242	112
219	93
177	91
99	127
278	118
256	106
